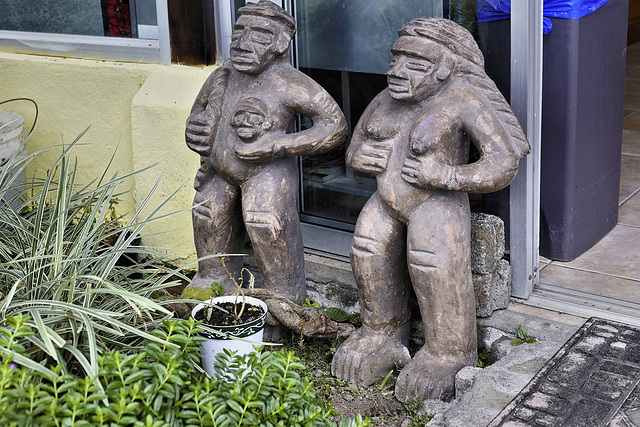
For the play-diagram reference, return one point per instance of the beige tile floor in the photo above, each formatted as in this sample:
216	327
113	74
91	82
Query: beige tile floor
612	267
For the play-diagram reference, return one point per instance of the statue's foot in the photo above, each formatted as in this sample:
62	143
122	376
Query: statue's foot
430	377
368	356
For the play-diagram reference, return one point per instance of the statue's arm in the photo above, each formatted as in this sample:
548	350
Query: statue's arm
305	97
498	162
494	170
366	155
328	130
205	112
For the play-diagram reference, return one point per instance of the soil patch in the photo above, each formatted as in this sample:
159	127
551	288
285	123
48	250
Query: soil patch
376	401
223	314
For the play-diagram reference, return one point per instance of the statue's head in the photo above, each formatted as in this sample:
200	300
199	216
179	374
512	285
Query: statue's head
261	34
426	55
251	119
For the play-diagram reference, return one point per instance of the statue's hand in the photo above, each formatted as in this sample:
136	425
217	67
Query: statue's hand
260	151
425	171
371	158
198	133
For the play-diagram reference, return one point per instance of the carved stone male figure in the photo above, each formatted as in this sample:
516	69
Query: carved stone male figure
241	124
415	138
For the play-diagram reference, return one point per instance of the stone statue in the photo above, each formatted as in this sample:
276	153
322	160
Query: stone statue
415	229
241	124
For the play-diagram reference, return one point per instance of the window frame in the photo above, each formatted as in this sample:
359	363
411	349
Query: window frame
94	47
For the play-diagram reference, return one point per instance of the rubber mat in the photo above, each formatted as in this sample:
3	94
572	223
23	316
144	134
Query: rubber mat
591	381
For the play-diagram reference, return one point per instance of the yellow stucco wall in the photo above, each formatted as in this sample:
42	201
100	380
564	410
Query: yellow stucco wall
136	111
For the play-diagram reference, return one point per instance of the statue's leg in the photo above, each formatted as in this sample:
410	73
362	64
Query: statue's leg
439	258
380	269
217	229
271	218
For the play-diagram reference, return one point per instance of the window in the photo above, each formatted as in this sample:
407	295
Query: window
345	46
127	30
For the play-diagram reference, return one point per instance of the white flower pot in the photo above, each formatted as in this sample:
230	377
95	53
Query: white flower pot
10	142
10	134
251	333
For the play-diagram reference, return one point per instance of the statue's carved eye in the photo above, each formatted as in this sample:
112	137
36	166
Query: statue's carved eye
416	65
261	38
236	33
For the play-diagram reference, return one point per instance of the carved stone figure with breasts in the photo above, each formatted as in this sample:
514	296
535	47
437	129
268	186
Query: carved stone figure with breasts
414	232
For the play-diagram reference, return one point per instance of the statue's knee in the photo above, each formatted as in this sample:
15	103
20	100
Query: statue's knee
265	225
424	260
364	246
202	212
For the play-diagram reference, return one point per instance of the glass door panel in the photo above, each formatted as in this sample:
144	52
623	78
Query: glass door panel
345	46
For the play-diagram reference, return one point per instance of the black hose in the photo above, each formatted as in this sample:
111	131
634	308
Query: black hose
35	119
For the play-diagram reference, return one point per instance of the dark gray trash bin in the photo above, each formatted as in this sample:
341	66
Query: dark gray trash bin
584	64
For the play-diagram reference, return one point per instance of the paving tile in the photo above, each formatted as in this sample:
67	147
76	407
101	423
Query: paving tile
629	176
633	57
617	254
632	99
629	212
631	142
591	282
632	86
632	73
632	121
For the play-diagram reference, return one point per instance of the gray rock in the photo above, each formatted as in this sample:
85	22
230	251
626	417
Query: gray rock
464	379
497	384
487	335
487	242
493	290
500	348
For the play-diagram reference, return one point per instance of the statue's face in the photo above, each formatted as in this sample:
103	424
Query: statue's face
412	74
250	119
253	43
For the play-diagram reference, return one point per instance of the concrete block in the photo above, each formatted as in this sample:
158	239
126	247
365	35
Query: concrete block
487	335
487	242
330	283
493	290
500	348
464	379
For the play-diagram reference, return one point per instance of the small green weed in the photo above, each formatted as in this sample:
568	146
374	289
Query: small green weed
522	337
417	420
483	358
310	303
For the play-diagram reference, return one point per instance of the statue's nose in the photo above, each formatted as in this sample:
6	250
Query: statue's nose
243	41
398	69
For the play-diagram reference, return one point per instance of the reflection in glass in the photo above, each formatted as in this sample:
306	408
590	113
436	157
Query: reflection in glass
113	18
354	35
345	45
330	190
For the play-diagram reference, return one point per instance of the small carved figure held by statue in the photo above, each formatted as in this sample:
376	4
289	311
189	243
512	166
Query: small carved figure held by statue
241	124
414	231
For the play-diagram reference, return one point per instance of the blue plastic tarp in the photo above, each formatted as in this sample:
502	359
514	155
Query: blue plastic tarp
493	10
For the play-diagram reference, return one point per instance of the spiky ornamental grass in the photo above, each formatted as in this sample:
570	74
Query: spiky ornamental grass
61	252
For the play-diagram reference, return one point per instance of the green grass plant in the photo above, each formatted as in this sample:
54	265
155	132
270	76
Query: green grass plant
71	264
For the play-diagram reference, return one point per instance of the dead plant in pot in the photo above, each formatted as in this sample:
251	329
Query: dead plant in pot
234	322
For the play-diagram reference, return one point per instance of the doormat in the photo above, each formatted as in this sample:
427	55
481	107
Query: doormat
591	381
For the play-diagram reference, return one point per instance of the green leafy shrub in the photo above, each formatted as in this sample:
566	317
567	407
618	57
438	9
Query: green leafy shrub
158	385
62	247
